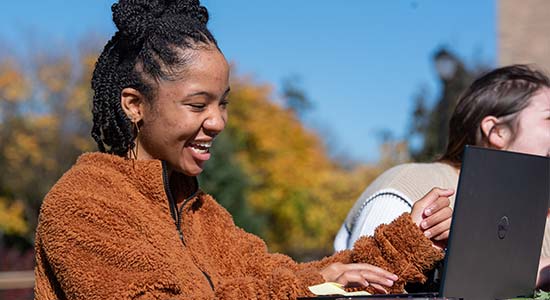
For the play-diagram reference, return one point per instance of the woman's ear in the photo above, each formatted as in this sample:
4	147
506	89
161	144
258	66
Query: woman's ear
132	102
497	135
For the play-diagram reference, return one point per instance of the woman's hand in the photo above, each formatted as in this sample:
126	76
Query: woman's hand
433	215
363	275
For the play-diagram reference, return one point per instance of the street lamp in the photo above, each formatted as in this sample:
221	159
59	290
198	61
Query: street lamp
446	64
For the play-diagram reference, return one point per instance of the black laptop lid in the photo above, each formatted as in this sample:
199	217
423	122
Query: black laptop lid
498	225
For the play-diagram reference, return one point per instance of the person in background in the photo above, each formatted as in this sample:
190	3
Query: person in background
130	221
507	108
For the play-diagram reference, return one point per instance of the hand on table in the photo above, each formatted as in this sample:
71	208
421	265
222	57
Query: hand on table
362	275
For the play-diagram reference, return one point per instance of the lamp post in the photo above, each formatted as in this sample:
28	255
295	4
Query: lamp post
454	78
433	123
446	64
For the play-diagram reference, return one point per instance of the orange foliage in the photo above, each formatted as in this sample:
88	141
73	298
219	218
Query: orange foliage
14	86
304	194
295	186
12	219
44	127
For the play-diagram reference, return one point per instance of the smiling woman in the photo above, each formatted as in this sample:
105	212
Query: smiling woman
131	222
186	115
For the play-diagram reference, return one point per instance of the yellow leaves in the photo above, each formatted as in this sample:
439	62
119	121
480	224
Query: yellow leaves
304	194
56	75
14	86
79	102
79	99
21	147
88	61
43	121
25	145
82	144
294	183
12	219
44	126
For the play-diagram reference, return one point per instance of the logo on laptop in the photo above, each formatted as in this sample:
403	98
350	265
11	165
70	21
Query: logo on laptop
503	226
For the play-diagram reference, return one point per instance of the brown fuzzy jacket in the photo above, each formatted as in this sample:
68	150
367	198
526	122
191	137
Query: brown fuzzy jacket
106	232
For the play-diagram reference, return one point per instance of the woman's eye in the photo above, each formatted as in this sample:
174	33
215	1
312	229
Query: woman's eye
197	106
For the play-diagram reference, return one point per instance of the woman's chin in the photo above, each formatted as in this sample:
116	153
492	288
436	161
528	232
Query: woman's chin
189	169
196	171
194	174
193	168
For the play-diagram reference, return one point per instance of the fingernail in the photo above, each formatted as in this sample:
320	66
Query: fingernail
390	282
427	233
428	211
424	224
394	277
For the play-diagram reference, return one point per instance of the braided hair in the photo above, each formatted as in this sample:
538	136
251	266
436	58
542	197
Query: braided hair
145	49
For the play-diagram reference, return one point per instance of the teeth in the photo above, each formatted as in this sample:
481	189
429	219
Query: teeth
204	144
201	147
200	151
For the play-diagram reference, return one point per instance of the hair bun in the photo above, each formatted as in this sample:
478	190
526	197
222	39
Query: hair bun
134	17
190	8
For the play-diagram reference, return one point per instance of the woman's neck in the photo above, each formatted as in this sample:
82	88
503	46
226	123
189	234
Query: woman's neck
182	186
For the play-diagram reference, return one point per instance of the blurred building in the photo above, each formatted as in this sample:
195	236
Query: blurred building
524	32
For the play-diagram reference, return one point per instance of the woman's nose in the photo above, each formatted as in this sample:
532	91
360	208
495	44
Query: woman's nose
215	122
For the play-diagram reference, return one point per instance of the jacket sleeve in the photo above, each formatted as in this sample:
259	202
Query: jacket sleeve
245	267
399	247
265	275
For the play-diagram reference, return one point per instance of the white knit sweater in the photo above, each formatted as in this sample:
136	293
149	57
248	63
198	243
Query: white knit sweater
393	193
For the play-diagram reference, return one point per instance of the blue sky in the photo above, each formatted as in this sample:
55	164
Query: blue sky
360	62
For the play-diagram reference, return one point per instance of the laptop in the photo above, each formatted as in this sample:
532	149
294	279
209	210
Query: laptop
497	228
498	225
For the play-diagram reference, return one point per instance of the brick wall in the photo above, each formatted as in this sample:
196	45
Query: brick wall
524	32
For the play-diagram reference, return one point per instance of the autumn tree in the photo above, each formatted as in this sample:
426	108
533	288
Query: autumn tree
302	194
45	120
270	171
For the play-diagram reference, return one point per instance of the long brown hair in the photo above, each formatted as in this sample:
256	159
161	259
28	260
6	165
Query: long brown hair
501	93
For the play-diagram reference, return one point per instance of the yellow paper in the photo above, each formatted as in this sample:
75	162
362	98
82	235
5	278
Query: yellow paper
333	288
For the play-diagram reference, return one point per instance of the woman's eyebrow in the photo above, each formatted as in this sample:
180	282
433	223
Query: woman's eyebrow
207	94
227	91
